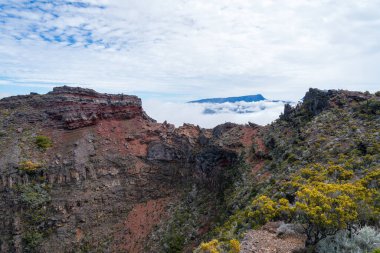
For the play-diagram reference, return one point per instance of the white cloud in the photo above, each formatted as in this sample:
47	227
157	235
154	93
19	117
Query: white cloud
3	95
179	113
194	49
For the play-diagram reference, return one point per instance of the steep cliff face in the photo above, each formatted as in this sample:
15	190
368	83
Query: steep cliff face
110	176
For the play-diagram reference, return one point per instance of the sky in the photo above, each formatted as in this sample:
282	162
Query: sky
172	51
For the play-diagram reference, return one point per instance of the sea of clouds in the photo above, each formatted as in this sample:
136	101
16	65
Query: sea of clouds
262	112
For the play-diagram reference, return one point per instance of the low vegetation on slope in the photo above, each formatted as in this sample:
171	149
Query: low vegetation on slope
324	167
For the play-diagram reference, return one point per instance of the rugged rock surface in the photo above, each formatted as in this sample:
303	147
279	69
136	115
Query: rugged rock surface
73	108
316	101
111	173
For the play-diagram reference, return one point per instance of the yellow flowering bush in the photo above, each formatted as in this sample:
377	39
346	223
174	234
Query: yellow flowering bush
339	173
265	209
235	246
29	166
210	247
325	201
326	208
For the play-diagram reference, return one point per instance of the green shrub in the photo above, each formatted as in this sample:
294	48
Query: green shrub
175	243
365	240
33	195
371	106
31	240
34	199
43	142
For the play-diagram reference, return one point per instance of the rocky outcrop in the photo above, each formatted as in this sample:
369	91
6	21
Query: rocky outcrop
316	101
73	107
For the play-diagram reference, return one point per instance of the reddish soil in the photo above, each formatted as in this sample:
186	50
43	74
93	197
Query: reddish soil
248	135
79	235
139	224
137	168
136	148
257	167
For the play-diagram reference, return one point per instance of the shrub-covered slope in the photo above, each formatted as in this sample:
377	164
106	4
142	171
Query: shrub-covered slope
322	171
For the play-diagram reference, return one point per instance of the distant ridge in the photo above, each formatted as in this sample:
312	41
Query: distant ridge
249	98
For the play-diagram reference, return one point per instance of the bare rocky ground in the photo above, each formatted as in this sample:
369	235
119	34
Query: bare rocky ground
270	239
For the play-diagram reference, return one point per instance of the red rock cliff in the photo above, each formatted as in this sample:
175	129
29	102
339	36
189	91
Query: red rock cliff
74	107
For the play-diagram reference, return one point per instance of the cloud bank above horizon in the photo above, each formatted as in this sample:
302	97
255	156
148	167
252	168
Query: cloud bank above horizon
181	50
261	112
